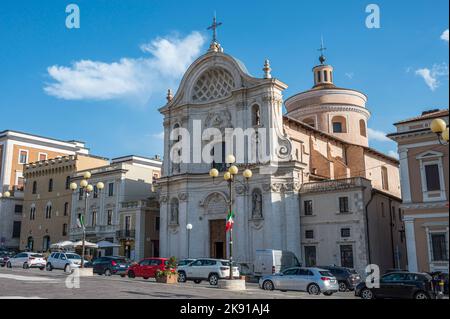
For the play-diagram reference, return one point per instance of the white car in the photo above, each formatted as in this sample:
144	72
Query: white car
206	269
27	260
65	261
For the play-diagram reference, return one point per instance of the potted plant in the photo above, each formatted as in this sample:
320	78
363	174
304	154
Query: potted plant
169	275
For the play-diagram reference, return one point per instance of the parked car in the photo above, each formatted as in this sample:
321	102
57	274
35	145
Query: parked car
312	280
399	285
111	265
4	257
147	268
347	278
27	260
184	262
270	261
65	261
206	269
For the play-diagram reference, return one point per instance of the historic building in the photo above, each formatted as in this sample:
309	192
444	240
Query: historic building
320	144
124	212
16	150
47	199
425	181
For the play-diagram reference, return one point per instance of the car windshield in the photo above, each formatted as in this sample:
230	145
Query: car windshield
326	273
353	272
120	260
37	255
226	263
73	256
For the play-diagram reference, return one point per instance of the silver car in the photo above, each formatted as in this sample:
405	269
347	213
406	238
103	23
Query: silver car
312	280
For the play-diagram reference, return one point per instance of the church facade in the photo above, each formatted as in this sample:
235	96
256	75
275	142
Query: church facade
316	190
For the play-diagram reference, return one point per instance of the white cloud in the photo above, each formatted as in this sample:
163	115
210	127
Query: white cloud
128	79
377	135
393	154
444	36
431	76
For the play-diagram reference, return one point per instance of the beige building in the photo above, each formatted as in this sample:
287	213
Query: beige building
47	199
425	180
124	212
17	149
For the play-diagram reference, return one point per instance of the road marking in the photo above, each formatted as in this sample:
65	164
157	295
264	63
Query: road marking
26	278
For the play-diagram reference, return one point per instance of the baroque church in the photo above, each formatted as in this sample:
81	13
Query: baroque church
321	192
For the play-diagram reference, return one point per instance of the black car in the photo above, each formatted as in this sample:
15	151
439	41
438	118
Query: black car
347	278
399	285
111	265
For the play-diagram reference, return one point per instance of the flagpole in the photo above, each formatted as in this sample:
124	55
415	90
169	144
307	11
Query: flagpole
230	182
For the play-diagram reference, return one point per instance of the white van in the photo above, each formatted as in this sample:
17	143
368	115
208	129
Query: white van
270	261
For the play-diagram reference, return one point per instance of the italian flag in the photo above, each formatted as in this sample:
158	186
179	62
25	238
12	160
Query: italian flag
80	222
230	221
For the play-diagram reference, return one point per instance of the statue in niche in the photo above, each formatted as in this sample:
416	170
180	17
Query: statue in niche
174	213
257	204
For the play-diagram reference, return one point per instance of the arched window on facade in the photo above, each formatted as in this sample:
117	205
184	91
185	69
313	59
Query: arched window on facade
30	243
174	212
67	182
339	124
34	187
50	185
362	128
256	115
46	243
384	178
48	211
309	121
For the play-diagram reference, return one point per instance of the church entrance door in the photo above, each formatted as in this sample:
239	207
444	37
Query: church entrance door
217	238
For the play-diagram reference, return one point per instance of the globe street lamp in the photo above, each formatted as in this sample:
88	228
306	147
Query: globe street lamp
230	177
6	194
189	228
87	189
440	128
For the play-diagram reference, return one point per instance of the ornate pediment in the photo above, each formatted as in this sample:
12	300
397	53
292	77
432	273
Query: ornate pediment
213	84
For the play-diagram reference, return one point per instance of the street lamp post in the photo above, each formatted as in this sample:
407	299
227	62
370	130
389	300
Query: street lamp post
230	177
189	228
440	128
6	194
87	190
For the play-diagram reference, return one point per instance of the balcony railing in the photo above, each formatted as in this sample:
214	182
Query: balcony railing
126	233
337	184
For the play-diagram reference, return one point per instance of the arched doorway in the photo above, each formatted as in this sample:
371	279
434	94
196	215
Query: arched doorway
216	209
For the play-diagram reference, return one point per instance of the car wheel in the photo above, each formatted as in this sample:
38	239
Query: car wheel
420	295
123	276
67	269
313	289
366	294
197	281
328	293
107	272
25	266
268	285
213	279
343	286
49	267
181	277
131	274
42	268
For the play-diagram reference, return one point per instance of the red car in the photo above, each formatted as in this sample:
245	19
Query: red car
147	267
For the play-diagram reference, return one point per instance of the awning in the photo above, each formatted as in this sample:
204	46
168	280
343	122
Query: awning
106	244
86	244
62	244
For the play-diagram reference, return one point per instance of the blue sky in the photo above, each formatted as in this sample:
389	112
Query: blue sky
103	83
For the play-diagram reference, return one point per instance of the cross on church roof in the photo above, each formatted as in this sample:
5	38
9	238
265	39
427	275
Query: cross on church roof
214	27
322	49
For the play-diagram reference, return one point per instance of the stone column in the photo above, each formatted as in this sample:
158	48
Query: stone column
163	229
410	243
241	225
182	249
293	233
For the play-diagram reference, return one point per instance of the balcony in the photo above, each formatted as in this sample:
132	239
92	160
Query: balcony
126	234
332	185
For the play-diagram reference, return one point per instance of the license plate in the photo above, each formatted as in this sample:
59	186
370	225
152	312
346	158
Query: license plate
122	266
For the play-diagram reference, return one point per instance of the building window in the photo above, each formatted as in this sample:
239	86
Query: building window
94	219
339	124
20	183
310	121
18	209
337	127
111	189
384	178
68	182
50	185
439	247
32	213
34	187
66	209
319	77
42	156
48	212
345	232
400	215
23	157
95	191
310	256
30	243
432	177
347	256
362	128
16	229
64	230
157	225
309	234
343	205
109	217
46	243
325	76
308	207
80	193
